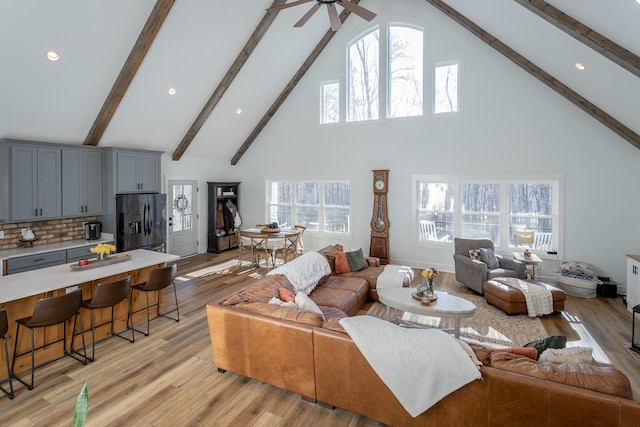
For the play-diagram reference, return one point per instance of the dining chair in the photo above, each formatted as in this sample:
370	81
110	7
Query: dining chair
300	229
289	247
260	249
244	247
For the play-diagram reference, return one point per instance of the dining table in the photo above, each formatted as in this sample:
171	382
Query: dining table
261	241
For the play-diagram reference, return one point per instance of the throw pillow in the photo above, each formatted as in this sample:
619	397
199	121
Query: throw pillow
489	257
567	355
304	302
474	254
556	341
357	261
286	295
529	352
342	263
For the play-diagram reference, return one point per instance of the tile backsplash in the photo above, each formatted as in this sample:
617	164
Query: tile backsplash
47	231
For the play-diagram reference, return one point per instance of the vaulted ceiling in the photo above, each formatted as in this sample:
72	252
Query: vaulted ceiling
120	58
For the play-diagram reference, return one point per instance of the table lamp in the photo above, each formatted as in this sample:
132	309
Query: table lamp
525	237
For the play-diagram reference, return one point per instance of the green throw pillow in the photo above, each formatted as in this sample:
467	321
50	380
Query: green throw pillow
357	261
556	341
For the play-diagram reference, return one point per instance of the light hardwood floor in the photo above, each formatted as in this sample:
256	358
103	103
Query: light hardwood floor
169	378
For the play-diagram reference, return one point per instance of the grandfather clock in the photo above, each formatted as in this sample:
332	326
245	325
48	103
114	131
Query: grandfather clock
380	221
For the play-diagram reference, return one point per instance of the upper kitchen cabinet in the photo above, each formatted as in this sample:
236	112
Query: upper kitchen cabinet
34	182
137	171
82	182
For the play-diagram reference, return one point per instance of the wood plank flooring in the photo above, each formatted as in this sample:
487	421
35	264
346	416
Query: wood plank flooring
169	378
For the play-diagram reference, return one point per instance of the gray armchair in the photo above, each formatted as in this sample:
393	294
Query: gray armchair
473	273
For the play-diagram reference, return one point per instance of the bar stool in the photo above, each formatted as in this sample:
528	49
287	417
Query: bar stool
107	295
4	327
159	279
49	312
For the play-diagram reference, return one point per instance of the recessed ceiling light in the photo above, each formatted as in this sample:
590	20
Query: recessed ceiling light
52	55
172	91
638	1
239	111
580	66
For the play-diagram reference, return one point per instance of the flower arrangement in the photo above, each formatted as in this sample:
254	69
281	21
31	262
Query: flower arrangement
429	274
102	250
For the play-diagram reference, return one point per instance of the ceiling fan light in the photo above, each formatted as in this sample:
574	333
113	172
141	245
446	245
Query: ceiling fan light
53	56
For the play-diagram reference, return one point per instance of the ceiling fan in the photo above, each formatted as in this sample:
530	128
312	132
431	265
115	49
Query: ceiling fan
331	9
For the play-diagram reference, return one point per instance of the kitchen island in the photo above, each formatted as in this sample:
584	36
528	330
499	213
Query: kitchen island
20	292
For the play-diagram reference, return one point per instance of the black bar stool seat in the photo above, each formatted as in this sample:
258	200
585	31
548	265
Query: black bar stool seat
159	279
49	312
108	295
4	328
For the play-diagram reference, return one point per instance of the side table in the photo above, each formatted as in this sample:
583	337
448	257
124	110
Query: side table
534	261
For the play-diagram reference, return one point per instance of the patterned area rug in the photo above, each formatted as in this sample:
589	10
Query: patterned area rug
488	325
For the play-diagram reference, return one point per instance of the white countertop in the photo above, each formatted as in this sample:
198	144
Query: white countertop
29	283
51	247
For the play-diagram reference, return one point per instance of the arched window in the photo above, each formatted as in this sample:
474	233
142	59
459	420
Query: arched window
363	76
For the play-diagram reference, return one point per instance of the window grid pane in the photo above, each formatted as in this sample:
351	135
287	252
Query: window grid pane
445	88
363	78
405	72
435	209
330	103
481	211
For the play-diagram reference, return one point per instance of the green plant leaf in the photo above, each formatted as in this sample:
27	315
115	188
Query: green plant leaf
82	407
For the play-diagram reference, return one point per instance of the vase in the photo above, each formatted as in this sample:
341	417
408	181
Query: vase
103	257
429	292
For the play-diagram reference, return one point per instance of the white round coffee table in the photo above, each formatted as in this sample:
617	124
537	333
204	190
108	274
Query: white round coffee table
446	306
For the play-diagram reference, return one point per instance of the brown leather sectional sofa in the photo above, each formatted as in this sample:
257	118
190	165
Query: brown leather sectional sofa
301	352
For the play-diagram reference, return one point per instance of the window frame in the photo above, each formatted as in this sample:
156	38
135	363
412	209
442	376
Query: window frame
557	216
322	207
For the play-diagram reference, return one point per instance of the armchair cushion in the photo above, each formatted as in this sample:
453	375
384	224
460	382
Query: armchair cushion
488	256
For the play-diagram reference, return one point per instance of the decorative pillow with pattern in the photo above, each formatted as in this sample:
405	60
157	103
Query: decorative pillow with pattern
474	254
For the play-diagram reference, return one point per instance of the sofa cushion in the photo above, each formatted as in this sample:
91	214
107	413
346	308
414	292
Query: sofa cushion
601	379
262	290
283	312
369	274
329	253
357	261
529	352
304	302
358	286
342	263
332	313
345	300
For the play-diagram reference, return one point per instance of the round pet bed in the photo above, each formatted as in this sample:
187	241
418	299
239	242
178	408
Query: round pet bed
583	288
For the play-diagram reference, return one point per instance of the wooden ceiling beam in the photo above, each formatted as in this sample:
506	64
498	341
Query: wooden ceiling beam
289	88
226	81
540	74
596	41
129	70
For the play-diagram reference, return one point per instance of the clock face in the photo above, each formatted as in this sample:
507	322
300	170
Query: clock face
379	184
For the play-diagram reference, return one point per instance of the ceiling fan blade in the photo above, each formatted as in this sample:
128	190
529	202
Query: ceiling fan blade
358	10
308	15
333	17
287	5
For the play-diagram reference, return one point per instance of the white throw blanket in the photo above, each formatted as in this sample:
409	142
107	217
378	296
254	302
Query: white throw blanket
420	366
538	298
393	276
305	271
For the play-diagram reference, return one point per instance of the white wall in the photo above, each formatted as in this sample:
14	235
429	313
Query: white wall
511	124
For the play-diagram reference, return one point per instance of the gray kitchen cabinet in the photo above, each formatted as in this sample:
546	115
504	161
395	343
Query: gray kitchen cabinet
35	189
34	262
82	182
137	172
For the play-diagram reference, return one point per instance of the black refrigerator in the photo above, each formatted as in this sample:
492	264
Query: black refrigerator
141	222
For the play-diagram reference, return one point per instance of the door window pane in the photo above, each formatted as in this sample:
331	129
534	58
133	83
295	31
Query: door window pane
182	207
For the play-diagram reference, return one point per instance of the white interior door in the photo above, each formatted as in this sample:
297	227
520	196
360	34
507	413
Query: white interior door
183	217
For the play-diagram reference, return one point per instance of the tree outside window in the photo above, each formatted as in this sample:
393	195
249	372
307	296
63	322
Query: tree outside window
445	88
363	78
